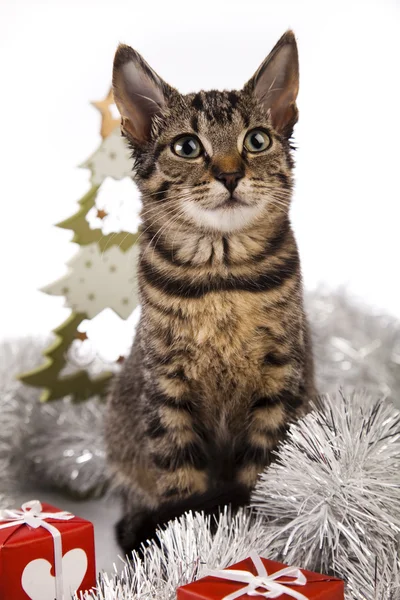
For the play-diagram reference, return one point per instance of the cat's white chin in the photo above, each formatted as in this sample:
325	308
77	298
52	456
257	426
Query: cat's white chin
224	219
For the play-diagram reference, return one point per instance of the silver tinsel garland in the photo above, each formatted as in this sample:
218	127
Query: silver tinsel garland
57	445
332	498
14	411
379	577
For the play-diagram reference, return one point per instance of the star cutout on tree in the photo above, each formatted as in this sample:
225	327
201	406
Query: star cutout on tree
101	214
108	121
81	335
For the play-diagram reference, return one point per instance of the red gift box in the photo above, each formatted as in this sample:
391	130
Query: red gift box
259	576
39	542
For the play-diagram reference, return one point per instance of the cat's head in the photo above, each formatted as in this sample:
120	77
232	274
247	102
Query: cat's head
218	161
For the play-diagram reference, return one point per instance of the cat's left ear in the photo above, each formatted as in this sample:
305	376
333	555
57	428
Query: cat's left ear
276	84
139	93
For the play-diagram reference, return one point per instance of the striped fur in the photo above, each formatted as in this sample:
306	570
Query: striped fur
222	359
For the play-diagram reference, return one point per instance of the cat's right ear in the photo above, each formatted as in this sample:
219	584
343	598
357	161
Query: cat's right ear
139	93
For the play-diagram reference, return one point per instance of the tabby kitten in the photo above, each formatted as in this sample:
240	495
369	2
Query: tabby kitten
222	361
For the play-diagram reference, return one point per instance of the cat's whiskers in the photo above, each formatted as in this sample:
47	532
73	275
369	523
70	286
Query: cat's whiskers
268	192
128	233
161	217
154	208
174	201
279	201
158	233
112	235
280	208
273	190
277	209
191	190
171	202
147	228
180	214
279	198
176	234
175	215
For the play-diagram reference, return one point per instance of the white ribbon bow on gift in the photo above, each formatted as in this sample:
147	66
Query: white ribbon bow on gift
272	584
32	515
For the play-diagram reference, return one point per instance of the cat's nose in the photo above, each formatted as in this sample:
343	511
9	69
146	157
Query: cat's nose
230	180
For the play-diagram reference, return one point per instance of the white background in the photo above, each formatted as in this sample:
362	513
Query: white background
56	56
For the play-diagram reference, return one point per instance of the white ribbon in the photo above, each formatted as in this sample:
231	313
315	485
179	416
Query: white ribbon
32	515
270	583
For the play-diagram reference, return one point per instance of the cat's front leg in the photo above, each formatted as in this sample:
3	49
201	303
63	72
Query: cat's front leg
178	463
270	414
266	426
177	447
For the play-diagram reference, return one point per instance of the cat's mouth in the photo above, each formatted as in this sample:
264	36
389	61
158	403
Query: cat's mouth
231	202
230	214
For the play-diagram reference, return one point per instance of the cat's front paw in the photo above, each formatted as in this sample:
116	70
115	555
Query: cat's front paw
135	529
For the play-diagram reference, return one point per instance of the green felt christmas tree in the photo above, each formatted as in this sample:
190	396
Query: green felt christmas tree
101	275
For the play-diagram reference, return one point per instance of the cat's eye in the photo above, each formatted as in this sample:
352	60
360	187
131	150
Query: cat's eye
187	146
257	140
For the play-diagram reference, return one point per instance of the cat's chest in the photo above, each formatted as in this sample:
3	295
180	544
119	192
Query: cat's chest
226	343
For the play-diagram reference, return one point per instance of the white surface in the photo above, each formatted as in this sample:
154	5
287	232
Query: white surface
56	56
